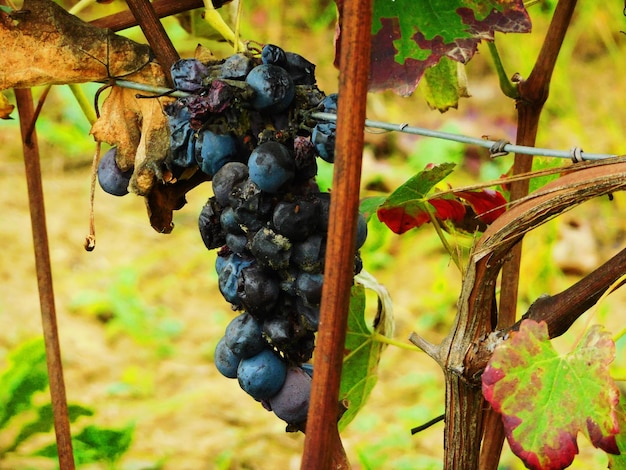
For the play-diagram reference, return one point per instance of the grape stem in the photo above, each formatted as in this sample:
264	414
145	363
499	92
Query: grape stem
384	339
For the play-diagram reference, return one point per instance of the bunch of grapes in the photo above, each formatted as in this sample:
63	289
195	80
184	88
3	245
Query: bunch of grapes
246	124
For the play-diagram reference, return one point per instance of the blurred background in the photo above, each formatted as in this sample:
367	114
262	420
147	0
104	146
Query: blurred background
140	316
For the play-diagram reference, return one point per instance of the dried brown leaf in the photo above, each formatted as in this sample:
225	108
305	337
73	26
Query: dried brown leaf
6	108
138	127
45	45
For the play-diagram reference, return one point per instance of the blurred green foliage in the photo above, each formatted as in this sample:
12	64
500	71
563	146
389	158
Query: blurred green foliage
123	311
23	415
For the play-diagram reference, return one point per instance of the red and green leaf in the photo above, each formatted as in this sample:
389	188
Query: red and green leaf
409	36
618	462
545	398
409	206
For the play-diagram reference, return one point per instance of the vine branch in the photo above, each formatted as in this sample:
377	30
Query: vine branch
533	93
158	39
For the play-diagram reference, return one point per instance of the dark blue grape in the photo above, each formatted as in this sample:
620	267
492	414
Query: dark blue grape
308	255
229	223
209	224
271	249
220	96
213	151
323	200
309	314
226	178
258	289
237	243
228	270
358	263
295	219
263	375
271	54
309	287
226	360
113	180
361	231
243	336
188	74
278	330
273	88
271	166
291	403
236	67
301	70
323	137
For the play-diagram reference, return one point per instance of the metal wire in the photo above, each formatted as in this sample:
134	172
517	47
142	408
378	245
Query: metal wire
497	148
575	154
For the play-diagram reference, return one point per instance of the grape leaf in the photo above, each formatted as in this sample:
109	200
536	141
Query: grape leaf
488	204
406	207
6	108
408	36
362	350
47	45
409	206
444	83
545	398
618	462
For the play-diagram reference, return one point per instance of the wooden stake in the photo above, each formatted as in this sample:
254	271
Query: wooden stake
44	278
322	436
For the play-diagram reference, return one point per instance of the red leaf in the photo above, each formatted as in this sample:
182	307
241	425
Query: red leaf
401	219
488	204
397	219
448	209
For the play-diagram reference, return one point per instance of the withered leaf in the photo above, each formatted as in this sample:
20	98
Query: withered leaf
138	127
47	45
6	108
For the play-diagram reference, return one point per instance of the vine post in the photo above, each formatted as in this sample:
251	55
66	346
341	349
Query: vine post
44	278
321	429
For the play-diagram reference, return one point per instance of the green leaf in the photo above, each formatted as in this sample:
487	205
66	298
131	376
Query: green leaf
362	349
44	422
95	444
370	205
443	84
545	398
407	207
25	375
414	191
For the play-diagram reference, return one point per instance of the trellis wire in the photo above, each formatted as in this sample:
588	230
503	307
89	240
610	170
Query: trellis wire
496	147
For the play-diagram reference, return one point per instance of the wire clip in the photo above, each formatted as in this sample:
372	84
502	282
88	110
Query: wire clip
497	149
576	154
